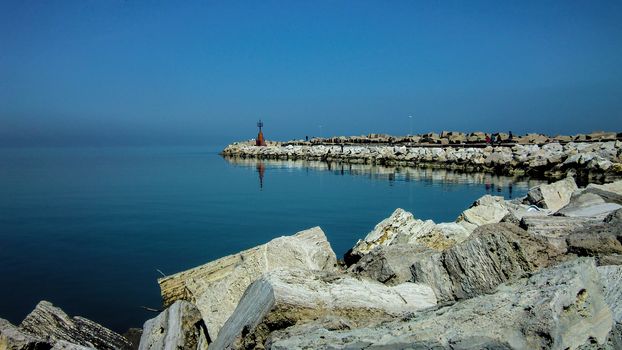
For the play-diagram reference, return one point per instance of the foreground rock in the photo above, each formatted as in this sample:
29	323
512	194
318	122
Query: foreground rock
493	254
12	338
178	327
553	196
286	297
402	228
216	287
561	307
52	324
390	264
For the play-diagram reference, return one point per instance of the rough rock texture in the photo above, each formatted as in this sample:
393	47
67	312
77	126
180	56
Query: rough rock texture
486	210
587	204
12	338
554	229
284	298
611	278
178	327
602	240
51	323
389	264
611	192
561	307
216	287
402	228
492	255
552	196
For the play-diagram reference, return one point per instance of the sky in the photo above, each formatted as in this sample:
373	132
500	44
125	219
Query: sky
89	73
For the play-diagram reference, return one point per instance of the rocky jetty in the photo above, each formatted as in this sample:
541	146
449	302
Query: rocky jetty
591	157
539	272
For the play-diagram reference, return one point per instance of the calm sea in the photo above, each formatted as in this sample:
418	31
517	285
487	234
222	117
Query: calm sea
87	229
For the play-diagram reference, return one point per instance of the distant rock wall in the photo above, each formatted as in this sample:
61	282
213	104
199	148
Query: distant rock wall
596	161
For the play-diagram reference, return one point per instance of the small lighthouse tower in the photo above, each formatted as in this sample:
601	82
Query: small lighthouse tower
260	140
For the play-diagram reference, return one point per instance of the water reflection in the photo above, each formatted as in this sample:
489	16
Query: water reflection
493	184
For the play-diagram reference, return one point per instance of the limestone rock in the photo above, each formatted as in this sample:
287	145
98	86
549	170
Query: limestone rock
216	287
611	192
561	307
486	210
402	228
611	278
178	327
493	254
587	204
12	338
53	324
389	264
552	196
284	298
554	228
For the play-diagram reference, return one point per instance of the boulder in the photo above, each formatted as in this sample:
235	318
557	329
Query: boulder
283	298
216	287
611	279
552	196
599	239
555	229
389	264
610	193
486	210
53	324
493	254
178	327
561	307
12	338
402	228
398	228
587	204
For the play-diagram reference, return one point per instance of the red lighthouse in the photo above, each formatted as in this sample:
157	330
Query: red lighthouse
260	140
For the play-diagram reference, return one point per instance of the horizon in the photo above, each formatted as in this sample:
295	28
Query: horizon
142	74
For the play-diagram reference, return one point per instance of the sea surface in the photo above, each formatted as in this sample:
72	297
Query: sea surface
88	229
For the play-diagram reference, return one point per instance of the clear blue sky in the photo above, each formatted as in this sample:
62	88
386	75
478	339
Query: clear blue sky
163	72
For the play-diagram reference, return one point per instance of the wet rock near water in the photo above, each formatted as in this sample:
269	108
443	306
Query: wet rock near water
216	287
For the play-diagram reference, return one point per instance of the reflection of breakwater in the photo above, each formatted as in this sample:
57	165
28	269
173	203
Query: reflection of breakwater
440	177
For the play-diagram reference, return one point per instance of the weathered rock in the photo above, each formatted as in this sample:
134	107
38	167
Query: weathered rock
178	327
398	228
389	264
486	210
561	307
216	287
402	228
492	255
602	240
553	196
554	229
53	324
587	204
284	298
611	279
12	338
611	192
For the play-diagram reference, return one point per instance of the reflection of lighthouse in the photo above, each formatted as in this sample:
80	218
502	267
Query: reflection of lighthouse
260	140
261	169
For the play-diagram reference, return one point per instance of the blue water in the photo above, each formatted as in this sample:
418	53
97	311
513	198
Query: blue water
87	228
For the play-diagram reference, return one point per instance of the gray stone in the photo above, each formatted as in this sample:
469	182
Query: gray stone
389	264
283	298
178	327
12	338
561	307
216	287
586	204
554	229
611	279
552	196
486	210
492	255
53	324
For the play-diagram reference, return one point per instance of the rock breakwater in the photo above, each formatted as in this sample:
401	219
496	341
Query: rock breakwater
597	160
